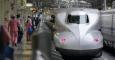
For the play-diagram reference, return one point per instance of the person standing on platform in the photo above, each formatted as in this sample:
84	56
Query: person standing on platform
4	38
29	29
20	29
6	33
13	28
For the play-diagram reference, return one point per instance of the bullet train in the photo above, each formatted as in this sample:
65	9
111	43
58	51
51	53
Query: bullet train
77	32
108	27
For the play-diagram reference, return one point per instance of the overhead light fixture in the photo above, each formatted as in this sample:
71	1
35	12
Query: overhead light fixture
29	4
31	9
109	8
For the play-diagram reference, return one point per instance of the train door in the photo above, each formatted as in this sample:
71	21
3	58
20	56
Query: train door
106	27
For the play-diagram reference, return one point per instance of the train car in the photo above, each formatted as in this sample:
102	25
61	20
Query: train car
77	32
108	27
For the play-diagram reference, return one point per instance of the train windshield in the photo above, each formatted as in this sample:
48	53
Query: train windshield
78	19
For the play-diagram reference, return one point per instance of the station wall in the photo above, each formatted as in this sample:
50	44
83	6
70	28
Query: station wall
4	9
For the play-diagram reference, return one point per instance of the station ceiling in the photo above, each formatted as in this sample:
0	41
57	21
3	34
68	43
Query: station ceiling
95	3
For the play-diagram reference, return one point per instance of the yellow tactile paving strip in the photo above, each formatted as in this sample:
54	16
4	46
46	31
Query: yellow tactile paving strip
24	50
27	51
23	53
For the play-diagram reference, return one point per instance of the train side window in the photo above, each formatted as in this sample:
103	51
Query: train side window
73	19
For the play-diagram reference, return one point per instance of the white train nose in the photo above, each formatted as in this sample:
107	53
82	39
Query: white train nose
79	30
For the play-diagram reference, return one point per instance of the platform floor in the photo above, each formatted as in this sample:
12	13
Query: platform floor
23	51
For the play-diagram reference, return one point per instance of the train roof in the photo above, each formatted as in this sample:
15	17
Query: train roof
58	10
108	11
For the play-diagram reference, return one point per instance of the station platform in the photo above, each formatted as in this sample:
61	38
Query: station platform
23	51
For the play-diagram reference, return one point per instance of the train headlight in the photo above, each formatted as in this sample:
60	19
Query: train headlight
94	37
89	38
63	37
62	40
60	37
